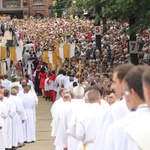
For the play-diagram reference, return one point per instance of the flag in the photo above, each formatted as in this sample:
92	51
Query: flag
13	56
3	52
72	49
50	57
1	68
45	56
16	53
54	57
61	51
67	51
57	49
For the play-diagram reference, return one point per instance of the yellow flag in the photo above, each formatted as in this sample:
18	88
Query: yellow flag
54	57
67	51
45	56
58	60
13	56
0	68
49	65
3	52
57	49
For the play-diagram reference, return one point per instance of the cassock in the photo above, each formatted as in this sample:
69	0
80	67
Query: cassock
58	84
3	116
115	131
16	121
29	124
36	102
88	122
117	111
76	105
5	83
61	139
55	109
8	122
136	136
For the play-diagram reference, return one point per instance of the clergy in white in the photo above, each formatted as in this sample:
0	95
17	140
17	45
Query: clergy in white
117	110
61	136
136	136
8	121
89	119
29	124
3	116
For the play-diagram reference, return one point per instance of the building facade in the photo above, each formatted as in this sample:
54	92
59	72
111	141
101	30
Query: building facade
25	8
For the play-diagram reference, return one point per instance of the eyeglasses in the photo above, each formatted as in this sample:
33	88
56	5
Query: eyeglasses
126	92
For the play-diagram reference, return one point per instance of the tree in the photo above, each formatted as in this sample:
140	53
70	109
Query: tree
135	12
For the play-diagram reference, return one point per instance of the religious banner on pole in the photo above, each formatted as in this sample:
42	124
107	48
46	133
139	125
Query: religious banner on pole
3	53
16	53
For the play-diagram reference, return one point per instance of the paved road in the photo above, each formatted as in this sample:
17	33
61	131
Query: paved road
43	129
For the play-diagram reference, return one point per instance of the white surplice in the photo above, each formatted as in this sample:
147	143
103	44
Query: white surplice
117	111
29	124
58	84
17	121
115	131
5	83
8	122
88	124
61	139
77	105
3	116
55	110
136	136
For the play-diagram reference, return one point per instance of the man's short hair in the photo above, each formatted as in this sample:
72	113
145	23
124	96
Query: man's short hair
5	76
134	80
93	96
122	70
78	92
6	93
146	77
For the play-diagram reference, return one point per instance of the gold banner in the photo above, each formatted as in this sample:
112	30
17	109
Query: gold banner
13	56
3	52
54	57
67	51
45	56
57	49
0	68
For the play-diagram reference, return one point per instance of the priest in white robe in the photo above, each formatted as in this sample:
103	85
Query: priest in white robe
134	101
29	124
3	116
17	120
77	103
89	119
8	121
117	110
61	135
136	136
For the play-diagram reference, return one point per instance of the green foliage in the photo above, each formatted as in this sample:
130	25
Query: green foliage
123	10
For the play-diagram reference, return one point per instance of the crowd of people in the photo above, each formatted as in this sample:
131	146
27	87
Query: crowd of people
83	120
17	112
89	90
